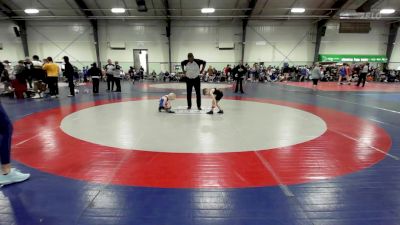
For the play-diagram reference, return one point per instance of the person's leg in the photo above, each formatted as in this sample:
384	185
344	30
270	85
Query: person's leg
218	106
198	94
29	79
6	130
112	83
359	79
118	84
213	105
189	87
71	87
51	86
241	85
96	83
108	82
348	79
237	85
340	79
56	85
7	174
364	79
315	81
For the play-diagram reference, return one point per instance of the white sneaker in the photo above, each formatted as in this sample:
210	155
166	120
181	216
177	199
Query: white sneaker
14	176
53	96
70	96
36	96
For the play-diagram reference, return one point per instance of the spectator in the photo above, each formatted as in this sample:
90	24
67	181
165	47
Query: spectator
38	77
316	75
166	76
52	71
141	72
363	75
131	73
95	73
117	76
239	74
20	84
28	67
5	78
286	72
109	68
69	74
153	75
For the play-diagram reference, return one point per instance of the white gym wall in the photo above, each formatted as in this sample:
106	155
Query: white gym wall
271	42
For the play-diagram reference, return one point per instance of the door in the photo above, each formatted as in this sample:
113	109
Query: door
141	59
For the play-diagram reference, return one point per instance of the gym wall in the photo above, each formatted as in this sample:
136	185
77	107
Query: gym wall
272	42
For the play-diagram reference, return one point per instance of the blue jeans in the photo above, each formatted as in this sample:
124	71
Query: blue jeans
6	130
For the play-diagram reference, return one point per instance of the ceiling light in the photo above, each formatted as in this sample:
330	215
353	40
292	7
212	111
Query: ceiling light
387	11
298	10
117	10
31	11
207	10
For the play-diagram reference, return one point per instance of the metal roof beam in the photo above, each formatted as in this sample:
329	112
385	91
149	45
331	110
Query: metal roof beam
321	26
85	10
366	6
7	10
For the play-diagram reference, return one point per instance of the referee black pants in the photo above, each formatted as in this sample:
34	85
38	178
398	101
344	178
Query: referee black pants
190	83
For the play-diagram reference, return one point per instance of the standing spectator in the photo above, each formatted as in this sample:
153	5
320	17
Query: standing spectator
191	70
363	75
117	76
69	74
84	71
8	67
357	70
95	73
141	72
52	71
316	75
131	73
38	77
109	68
28	67
239	74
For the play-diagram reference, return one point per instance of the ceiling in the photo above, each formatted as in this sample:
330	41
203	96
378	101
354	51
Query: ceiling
189	9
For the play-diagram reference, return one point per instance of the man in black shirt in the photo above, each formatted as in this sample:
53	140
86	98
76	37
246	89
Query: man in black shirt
239	74
95	73
69	74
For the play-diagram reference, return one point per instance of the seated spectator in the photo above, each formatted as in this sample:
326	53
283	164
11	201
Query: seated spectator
19	84
166	76
153	75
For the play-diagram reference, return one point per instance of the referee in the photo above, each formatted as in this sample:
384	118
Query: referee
191	69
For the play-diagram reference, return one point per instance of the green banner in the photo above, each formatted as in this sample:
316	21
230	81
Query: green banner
353	58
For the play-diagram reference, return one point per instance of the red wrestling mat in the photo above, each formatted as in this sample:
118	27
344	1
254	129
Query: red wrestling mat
333	86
